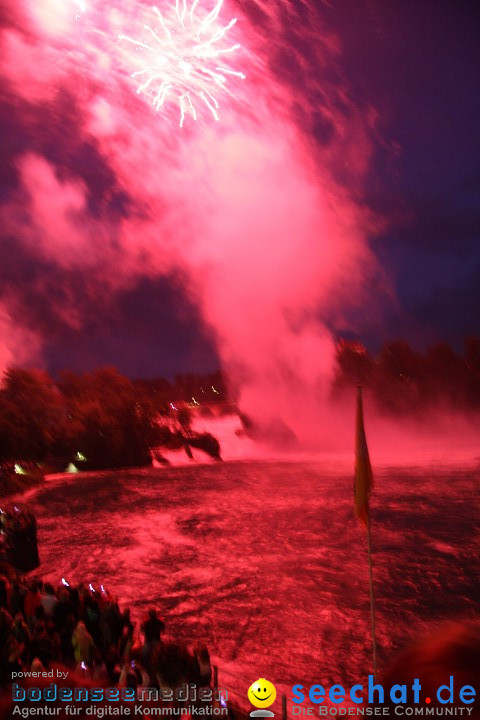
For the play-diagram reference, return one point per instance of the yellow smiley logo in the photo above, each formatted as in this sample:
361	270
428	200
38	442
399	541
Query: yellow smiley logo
262	693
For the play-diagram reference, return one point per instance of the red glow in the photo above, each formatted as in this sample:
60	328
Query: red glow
270	244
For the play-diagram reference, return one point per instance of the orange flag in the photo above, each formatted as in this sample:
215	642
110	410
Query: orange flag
363	469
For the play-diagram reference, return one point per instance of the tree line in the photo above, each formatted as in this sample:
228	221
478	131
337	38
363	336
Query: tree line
101	418
403	381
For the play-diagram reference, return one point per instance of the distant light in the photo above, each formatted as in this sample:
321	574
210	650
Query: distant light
80	456
103	590
72	468
194	401
173	407
91	588
19	470
83	666
215	391
65	582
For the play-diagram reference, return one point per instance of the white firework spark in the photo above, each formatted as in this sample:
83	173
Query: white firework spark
186	56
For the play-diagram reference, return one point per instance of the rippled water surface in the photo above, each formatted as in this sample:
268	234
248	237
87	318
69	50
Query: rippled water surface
266	561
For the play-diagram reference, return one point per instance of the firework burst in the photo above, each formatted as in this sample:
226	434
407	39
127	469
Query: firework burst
186	58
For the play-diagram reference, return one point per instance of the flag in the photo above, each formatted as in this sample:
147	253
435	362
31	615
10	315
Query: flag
363	469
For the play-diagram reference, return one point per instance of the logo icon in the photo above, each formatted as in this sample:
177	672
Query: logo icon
262	694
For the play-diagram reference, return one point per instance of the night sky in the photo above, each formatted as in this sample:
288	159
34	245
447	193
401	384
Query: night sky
128	240
419	63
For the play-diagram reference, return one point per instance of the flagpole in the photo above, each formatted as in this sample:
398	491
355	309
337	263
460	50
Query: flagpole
372	600
362	488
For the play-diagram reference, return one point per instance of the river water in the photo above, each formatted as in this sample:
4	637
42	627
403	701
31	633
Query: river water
265	561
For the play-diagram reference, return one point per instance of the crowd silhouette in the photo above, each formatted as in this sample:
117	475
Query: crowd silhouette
84	630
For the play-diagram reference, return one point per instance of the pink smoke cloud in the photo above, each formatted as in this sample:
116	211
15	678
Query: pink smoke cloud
257	219
56	210
18	345
20	55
